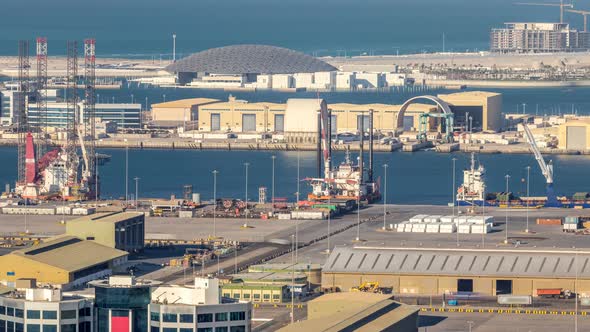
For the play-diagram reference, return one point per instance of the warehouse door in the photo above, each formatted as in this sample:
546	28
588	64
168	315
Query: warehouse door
215	122
365	120
334	124
279	123
248	122
408	122
576	138
503	287
465	285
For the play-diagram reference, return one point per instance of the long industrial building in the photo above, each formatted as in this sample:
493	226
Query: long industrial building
299	115
422	271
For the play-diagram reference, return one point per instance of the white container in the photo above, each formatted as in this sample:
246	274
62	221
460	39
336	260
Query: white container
447	219
79	211
186	214
432	218
464	228
433	228
460	220
481	228
447	228
408	228
60	209
418	218
284	216
481	220
417	228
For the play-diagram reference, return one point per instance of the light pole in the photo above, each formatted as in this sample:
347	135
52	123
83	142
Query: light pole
329	225
273	157
136	192
507	207
174	47
384	194
126	172
215	203
292	279
298	176
358	216
528	196
246	212
453	197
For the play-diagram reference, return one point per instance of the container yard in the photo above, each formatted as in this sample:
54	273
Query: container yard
446	224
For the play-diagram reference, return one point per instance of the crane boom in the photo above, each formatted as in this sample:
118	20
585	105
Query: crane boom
547	170
561	6
584	13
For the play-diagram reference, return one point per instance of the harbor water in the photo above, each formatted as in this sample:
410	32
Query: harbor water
412	178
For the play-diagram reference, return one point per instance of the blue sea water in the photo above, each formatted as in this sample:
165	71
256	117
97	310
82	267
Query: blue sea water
143	28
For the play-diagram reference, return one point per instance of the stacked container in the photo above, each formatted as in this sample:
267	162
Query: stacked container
448	227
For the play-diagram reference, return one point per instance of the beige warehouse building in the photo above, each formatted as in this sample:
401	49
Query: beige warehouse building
65	261
419	271
484	107
178	112
574	135
298	117
120	230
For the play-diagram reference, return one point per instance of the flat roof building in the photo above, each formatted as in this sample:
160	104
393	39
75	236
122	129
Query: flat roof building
485	109
362	312
65	261
524	37
45	309
178	112
197	307
426	271
574	135
119	230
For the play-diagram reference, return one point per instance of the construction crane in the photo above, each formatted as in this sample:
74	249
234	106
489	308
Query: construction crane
584	13
561	6
546	169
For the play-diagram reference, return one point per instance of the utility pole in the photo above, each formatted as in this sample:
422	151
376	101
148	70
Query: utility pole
384	194
507	207
174	47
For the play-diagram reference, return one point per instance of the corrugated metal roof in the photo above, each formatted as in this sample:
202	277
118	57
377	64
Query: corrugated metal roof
110	217
70	253
462	262
249	59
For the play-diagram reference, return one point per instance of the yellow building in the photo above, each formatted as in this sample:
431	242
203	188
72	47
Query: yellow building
66	260
574	135
484	107
422	271
356	312
257	293
178	112
241	116
120	230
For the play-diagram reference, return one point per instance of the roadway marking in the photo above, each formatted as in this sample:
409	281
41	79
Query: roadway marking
504	311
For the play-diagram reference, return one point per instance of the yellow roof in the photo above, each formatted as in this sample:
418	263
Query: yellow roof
111	217
184	103
339	311
243	105
471	94
70	253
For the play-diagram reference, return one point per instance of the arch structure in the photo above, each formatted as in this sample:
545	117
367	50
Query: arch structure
442	106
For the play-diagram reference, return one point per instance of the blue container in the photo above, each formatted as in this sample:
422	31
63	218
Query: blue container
452	302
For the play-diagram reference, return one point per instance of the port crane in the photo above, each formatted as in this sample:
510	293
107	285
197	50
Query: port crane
561	6
546	169
584	13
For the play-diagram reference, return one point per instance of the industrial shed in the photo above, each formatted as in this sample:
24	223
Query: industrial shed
65	261
420	271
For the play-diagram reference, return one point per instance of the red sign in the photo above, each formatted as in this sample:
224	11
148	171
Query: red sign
120	324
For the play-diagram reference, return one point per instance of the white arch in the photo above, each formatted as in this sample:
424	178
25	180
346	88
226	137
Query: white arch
442	105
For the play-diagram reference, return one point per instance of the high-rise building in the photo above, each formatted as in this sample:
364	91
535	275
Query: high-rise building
538	38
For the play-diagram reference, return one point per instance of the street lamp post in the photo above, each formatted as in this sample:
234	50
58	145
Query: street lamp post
273	157
246	212
215	203
298	175
384	195
136	192
507	207
453	198
528	196
126	172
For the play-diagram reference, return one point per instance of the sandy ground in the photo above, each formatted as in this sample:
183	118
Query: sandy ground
387	62
110	66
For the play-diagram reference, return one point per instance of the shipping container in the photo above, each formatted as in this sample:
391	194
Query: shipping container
515	299
549	221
